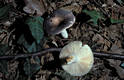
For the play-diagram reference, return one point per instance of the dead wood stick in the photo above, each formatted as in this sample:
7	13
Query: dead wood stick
40	53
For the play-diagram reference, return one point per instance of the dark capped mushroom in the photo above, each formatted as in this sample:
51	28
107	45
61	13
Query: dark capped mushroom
59	21
34	7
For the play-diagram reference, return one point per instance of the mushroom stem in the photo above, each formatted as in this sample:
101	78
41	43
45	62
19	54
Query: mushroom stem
64	33
71	59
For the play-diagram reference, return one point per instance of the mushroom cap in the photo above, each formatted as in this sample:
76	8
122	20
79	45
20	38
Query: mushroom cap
34	7
82	57
59	20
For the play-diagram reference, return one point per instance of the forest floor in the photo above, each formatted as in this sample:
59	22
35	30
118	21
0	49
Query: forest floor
101	27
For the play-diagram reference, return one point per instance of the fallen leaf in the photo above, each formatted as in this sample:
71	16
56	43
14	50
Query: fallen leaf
110	2
98	38
121	10
3	63
120	1
31	68
36	27
95	15
116	63
4	12
113	21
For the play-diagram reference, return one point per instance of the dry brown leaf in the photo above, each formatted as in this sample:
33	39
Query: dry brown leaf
74	7
107	43
110	2
121	10
98	38
116	63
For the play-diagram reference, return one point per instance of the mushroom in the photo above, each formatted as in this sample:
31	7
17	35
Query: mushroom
59	21
34	7
79	58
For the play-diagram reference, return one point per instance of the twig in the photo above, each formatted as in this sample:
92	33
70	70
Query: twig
41	53
115	56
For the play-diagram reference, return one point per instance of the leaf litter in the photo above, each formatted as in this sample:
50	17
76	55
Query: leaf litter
105	33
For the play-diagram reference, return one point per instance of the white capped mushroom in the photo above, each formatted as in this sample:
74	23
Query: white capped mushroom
59	21
79	58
